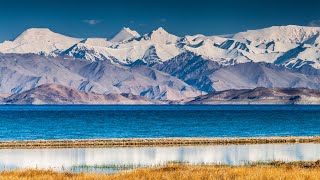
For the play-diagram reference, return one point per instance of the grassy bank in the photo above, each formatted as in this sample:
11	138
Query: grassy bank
274	170
140	142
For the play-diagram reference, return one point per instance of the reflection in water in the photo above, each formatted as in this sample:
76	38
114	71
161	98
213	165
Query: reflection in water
148	156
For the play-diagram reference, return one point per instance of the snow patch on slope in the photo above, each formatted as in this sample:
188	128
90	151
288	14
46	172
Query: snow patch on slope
97	42
285	34
125	34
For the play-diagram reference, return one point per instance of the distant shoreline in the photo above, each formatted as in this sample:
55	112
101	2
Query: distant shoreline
145	142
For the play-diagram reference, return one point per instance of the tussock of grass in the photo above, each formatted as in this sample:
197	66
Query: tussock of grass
272	170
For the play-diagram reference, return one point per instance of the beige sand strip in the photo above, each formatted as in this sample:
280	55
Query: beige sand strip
140	142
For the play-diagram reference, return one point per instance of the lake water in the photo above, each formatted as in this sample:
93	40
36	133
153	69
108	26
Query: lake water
89	122
105	159
83	122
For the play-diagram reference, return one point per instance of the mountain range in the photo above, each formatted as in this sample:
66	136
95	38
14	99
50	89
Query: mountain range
157	67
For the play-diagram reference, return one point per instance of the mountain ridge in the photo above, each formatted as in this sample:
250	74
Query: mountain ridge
59	94
161	66
23	72
127	47
260	95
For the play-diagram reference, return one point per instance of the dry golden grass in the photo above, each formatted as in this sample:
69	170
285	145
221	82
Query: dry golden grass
295	171
47	175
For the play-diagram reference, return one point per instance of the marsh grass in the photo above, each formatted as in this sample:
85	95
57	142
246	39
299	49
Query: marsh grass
130	166
259	170
106	167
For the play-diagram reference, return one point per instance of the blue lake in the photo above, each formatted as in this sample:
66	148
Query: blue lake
83	122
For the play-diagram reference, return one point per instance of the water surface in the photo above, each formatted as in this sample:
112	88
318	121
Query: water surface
91	159
88	122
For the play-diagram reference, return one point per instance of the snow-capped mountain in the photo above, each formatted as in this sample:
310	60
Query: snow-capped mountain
161	36
290	46
38	41
159	65
126	52
284	34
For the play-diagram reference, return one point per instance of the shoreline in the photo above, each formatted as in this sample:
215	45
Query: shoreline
151	142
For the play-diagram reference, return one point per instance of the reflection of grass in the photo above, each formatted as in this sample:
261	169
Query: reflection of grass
259	170
112	167
87	168
298	164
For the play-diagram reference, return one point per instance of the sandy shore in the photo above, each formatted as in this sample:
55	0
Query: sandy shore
140	142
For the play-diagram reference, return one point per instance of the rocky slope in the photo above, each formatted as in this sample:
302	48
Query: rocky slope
58	94
22	72
210	76
260	96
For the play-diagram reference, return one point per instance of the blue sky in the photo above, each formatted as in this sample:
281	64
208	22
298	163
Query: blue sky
98	18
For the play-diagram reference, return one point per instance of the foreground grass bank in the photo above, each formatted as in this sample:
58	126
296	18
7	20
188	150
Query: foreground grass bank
274	170
140	142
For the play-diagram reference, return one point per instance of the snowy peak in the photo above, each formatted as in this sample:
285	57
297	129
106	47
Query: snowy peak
36	34
38	40
40	35
272	44
285	34
125	34
161	36
160	30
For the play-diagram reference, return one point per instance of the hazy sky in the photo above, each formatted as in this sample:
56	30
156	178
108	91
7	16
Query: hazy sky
94	18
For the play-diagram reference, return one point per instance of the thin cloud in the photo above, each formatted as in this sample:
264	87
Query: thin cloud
142	24
163	20
314	23
92	21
